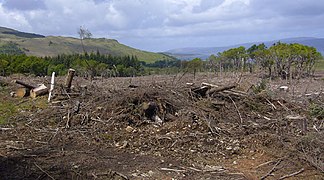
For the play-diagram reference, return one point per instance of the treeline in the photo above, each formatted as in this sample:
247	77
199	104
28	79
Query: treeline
93	64
280	60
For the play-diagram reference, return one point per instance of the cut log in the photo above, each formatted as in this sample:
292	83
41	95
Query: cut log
22	92
215	90
209	85
69	78
41	90
25	84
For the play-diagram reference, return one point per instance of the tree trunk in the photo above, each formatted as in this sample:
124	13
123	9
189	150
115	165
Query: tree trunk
69	79
25	84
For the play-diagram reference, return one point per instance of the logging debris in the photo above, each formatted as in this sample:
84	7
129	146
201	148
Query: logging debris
204	126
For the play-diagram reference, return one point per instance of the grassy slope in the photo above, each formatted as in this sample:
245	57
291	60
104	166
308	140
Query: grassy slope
54	45
319	65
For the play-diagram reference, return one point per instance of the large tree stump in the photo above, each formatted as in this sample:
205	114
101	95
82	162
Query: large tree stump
41	90
69	78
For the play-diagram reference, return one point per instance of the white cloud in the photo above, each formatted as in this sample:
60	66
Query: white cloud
151	20
13	19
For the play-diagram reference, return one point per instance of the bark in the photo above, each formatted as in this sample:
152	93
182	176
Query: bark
69	79
29	86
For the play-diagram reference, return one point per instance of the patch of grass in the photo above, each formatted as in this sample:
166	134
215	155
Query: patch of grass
317	110
11	107
7	110
319	65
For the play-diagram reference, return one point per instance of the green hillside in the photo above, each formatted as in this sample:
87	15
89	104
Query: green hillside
38	45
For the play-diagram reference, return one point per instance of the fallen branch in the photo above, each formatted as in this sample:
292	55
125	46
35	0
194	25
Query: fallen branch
273	106
215	90
5	129
268	162
209	85
44	171
238	112
111	173
174	170
272	170
292	174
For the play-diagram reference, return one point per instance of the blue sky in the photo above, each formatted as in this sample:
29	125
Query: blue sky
160	25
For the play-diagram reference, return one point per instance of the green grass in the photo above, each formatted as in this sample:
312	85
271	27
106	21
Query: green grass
319	65
55	45
10	107
7	110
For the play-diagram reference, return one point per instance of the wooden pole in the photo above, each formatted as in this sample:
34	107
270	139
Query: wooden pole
69	79
52	87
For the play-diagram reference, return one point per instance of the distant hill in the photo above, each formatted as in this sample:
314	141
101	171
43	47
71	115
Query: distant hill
204	52
39	45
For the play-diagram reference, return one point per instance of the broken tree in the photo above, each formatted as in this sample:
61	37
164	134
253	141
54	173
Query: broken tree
69	78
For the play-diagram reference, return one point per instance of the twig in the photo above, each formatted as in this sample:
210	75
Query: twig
175	170
5	129
192	168
292	174
111	172
272	170
15	148
264	164
67	125
44	171
236	109
282	105
122	175
273	106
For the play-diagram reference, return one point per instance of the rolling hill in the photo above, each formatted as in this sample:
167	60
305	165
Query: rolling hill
204	52
39	45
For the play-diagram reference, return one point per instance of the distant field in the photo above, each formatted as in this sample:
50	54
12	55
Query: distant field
319	65
38	45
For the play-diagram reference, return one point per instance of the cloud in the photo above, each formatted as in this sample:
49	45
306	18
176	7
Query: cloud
13	19
151	21
24	5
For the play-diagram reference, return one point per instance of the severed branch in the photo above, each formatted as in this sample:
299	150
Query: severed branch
44	171
219	89
268	162
292	174
174	170
241	120
272	170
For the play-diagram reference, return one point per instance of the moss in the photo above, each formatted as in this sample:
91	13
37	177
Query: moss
317	110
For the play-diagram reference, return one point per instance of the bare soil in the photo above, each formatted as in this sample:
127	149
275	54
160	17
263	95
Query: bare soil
101	130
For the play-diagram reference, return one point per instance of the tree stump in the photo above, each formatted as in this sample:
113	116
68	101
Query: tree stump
69	78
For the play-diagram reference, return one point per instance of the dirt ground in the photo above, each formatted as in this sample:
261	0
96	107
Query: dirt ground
166	127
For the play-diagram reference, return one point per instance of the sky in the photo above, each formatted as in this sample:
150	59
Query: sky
160	25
